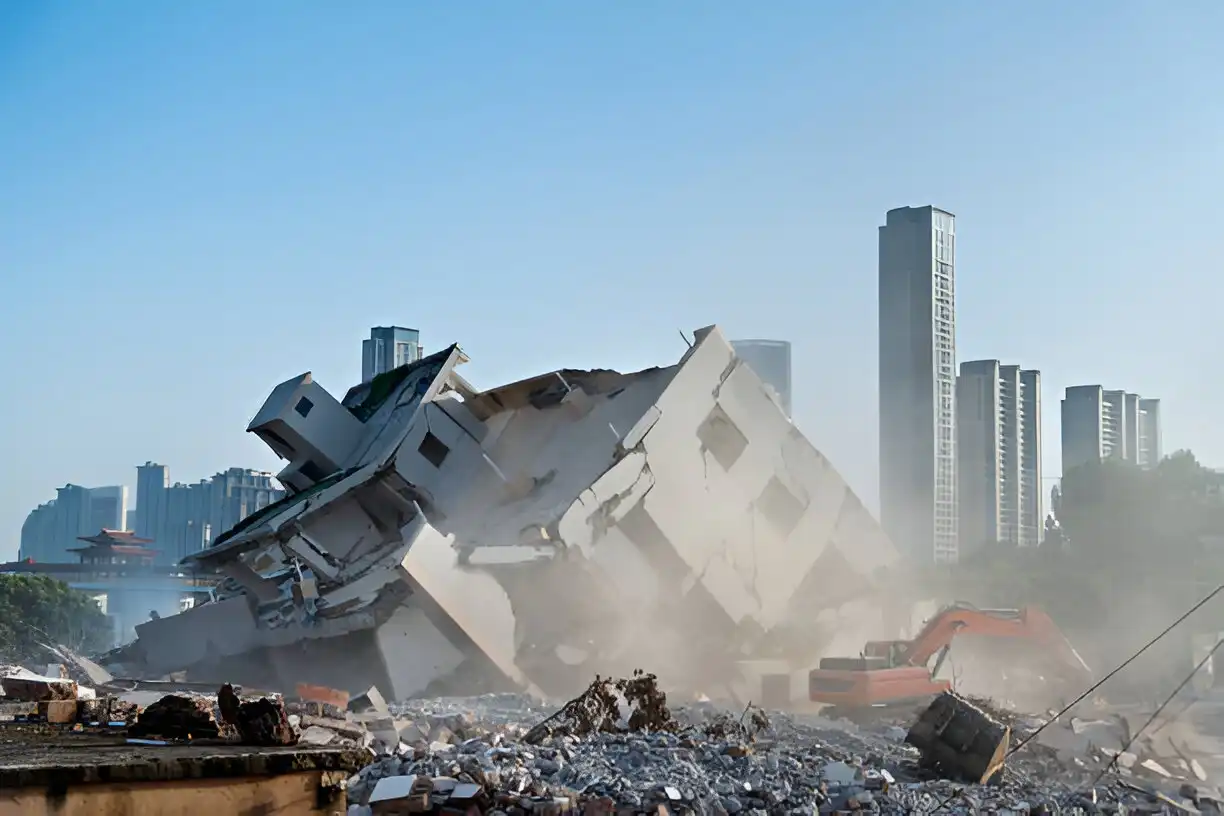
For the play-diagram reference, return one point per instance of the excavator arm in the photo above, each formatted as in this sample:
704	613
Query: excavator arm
895	670
1030	624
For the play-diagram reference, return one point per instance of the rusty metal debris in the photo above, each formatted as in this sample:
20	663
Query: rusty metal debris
599	709
726	727
960	740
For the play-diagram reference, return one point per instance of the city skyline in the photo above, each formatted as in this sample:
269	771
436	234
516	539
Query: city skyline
178	518
575	191
961	448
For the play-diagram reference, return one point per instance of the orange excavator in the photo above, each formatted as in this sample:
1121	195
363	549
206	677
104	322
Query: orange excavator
901	672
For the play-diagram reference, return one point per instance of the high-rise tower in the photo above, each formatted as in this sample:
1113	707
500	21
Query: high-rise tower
917	301
998	438
771	360
388	347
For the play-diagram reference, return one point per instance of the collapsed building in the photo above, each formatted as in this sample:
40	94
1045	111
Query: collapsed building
439	539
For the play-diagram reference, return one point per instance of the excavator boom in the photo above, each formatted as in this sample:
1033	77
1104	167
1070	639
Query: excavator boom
894	671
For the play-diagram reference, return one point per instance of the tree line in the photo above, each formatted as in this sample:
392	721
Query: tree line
37	609
1126	551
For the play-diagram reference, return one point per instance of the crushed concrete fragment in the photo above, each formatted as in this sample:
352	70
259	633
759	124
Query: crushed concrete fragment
797	764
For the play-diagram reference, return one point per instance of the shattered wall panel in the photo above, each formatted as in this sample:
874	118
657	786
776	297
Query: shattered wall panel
415	652
212	629
478	605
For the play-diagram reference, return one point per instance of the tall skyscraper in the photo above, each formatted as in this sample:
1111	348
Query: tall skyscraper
917	304
998	431
771	360
388	347
1098	424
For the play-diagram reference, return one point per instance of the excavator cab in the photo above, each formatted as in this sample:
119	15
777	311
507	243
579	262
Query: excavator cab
893	651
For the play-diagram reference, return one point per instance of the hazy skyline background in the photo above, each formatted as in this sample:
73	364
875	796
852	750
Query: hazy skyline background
202	200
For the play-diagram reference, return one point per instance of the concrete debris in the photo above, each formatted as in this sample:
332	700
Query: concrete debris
796	764
629	704
433	530
489	754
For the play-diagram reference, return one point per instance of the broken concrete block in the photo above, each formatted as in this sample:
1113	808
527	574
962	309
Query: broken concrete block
317	735
36	690
413	732
399	795
442	734
371	702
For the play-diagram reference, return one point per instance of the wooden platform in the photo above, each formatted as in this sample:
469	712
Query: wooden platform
75	775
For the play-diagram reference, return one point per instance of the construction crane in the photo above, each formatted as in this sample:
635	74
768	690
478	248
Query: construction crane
896	672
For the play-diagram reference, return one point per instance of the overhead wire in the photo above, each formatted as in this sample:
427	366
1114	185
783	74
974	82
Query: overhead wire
1117	669
1113	761
959	791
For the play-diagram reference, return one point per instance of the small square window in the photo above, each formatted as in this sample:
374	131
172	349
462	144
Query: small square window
720	437
303	407
433	449
312	472
780	507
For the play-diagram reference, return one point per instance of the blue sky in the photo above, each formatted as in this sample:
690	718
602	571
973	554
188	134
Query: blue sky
200	200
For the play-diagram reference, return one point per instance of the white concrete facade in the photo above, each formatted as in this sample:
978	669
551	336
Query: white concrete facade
537	533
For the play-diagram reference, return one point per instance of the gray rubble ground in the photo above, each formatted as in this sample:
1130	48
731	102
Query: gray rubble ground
800	764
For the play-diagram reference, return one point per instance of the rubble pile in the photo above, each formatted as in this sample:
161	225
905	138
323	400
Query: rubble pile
466	753
619	747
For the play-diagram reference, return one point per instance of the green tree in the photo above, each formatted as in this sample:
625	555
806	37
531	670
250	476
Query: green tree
1127	520
36	609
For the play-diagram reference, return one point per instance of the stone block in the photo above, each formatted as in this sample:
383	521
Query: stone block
59	712
18	689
